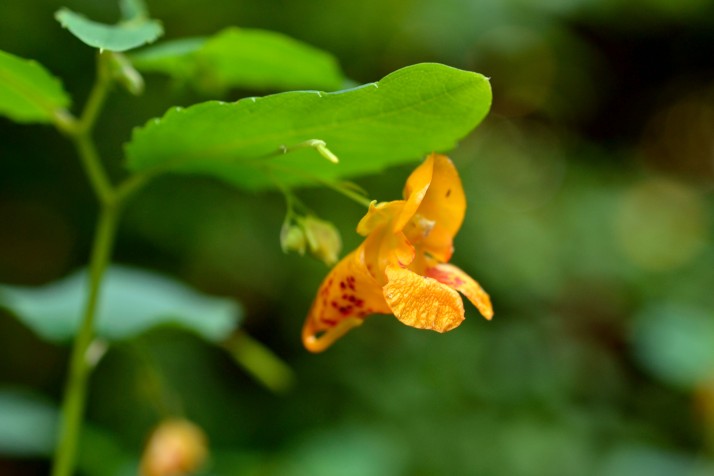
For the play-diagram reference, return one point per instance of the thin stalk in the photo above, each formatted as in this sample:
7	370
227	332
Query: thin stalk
93	167
81	134
73	405
79	367
352	195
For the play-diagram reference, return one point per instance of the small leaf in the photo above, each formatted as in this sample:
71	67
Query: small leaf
132	301
245	58
120	37
28	92
411	112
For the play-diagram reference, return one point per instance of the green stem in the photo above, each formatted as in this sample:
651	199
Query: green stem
81	134
79	367
352	195
93	168
97	96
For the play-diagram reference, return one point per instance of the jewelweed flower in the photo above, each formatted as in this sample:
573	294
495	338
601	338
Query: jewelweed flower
402	267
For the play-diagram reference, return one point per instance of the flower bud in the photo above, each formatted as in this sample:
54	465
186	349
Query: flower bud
323	239
292	238
176	448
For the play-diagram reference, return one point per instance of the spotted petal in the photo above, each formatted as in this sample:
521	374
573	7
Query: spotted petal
422	302
455	278
347	295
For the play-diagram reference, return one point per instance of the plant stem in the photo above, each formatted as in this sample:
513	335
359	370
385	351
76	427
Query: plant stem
79	131
93	168
81	135
351	194
79	367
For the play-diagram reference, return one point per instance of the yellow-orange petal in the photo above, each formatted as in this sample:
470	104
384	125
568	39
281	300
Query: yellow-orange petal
415	190
457	279
379	215
444	204
422	302
316	340
348	294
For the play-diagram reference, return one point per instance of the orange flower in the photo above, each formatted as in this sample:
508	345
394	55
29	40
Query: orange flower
402	267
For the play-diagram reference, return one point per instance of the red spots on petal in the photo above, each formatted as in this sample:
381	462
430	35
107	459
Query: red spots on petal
345	310
448	192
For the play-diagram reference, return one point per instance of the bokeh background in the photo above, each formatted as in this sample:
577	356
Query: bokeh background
590	222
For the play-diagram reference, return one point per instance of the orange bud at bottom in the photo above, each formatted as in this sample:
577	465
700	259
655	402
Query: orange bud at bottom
175	448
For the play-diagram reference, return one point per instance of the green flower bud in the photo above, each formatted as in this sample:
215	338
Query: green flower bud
292	238
323	239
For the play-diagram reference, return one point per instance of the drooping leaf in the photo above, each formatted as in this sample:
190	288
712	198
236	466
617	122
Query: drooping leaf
125	35
28	92
132	301
409	113
246	58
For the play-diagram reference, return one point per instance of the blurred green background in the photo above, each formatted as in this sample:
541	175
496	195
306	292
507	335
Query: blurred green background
590	222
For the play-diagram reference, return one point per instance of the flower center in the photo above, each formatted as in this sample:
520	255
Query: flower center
418	228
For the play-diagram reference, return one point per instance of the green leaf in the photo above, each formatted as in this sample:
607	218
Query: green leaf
411	112
123	36
676	343
28	92
246	58
132	9
132	301
29	424
29	430
174	58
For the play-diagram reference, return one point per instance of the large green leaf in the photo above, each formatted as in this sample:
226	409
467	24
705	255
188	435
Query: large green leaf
132	301
247	58
411	112
28	92
135	28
